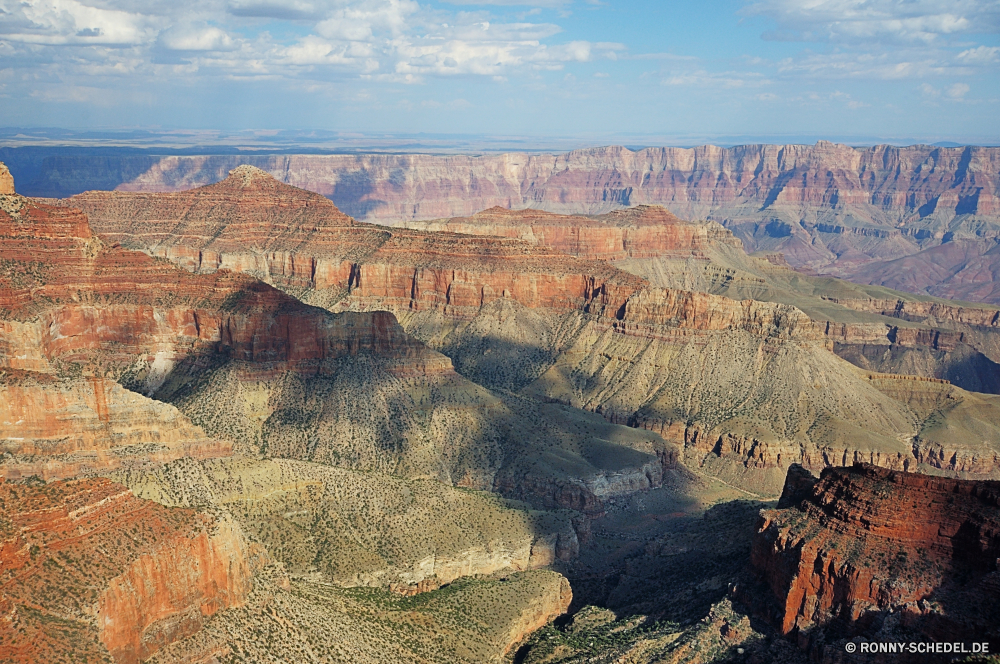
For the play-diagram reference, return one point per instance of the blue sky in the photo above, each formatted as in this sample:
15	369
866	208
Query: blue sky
603	71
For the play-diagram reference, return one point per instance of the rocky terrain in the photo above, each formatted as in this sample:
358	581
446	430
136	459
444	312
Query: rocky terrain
632	315
117	363
89	570
426	443
883	554
874	328
863	214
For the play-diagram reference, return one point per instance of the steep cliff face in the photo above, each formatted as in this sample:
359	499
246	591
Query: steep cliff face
90	571
79	314
514	313
56	428
81	299
829	207
865	550
640	232
6	181
937	339
895	182
298	240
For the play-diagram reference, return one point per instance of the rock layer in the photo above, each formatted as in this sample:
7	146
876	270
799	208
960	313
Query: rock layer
641	232
68	574
830	207
600	338
865	549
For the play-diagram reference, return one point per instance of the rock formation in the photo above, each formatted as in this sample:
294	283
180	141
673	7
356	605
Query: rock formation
829	207
6	181
89	569
873	552
514	313
56	428
363	529
239	357
644	231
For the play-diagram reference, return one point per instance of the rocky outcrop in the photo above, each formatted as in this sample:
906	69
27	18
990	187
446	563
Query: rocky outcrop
602	339
830	207
865	550
539	613
6	181
297	239
120	575
70	298
56	428
641	232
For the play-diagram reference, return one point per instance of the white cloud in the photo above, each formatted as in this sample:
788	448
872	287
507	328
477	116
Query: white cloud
957	91
514	3
358	21
276	9
58	22
702	77
391	40
865	65
885	20
196	38
982	55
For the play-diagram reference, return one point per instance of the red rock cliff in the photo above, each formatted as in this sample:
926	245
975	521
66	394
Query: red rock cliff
203	230
864	542
886	179
640	232
85	558
68	297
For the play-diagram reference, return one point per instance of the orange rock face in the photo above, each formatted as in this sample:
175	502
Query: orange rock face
68	297
299	239
56	428
78	314
6	181
641	232
861	544
88	569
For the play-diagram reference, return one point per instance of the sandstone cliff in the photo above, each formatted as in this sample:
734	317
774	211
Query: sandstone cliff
297	239
56	428
869	551
640	232
514	314
6	181
830	207
81	314
72	585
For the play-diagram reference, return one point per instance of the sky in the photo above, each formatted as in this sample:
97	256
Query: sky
598	70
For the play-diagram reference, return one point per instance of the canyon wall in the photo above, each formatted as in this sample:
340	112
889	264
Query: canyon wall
888	182
831	208
512	311
71	582
865	550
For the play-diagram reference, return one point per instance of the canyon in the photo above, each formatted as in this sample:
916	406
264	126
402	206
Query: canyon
70	583
879	553
92	333
863	214
324	439
604	314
